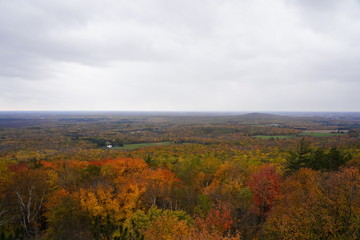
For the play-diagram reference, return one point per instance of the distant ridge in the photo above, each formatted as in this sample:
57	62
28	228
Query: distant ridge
256	115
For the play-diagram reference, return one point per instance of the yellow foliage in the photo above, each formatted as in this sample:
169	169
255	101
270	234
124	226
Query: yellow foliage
110	202
168	228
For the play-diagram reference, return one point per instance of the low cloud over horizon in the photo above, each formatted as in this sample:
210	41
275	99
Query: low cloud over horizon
148	55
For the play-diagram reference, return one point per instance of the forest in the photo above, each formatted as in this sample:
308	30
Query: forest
180	176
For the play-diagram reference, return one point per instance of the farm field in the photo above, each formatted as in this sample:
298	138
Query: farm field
141	145
320	134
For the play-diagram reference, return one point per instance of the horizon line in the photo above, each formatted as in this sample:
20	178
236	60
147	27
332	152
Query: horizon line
193	111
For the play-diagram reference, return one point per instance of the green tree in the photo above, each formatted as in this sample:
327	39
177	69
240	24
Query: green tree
316	159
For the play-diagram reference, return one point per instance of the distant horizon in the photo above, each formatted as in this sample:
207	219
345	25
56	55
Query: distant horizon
170	111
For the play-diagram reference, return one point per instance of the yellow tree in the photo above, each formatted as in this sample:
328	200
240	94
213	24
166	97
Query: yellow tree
168	227
317	206
109	207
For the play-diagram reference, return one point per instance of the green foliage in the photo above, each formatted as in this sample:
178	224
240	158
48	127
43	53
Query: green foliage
317	159
9	236
90	173
98	141
35	163
103	228
125	233
203	206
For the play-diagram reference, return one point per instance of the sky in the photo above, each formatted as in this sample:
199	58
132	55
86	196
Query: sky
170	55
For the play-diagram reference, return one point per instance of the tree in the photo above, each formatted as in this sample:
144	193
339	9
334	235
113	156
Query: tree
296	214
28	191
3	218
218	220
168	227
317	205
317	159
159	184
66	218
343	202
265	186
300	158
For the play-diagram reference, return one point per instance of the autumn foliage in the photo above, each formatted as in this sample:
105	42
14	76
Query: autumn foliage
265	186
209	181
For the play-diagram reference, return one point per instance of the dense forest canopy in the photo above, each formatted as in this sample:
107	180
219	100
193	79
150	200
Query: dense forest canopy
123	175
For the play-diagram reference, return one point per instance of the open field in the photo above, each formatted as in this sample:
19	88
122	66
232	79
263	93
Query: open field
141	145
327	131
320	134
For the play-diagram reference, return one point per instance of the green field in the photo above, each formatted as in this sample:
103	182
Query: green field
140	145
316	134
273	136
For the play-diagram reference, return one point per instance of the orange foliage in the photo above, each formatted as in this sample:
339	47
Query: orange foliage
56	197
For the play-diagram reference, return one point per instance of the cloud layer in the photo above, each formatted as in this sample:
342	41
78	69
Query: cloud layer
207	55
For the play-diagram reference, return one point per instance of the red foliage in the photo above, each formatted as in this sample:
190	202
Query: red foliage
19	167
265	186
218	219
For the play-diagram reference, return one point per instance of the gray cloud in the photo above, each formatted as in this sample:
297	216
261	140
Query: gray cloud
179	55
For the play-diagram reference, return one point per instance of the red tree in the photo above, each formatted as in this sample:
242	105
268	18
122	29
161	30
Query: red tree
265	186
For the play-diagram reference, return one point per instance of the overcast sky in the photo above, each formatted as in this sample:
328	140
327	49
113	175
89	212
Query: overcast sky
188	55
